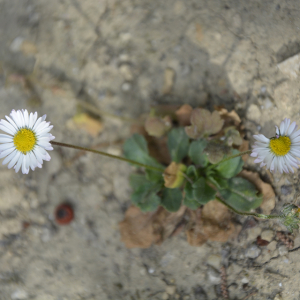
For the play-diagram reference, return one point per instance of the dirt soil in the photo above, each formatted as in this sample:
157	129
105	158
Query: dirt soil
119	57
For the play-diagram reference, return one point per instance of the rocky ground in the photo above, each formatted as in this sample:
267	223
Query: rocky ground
119	57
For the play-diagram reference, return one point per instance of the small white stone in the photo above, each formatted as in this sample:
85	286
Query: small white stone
267	235
282	250
151	270
268	103
126	86
171	289
19	295
252	251
254	113
16	44
165	296
245	280
214	260
213	276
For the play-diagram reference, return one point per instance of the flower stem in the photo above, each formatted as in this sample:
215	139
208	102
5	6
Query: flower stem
242	213
108	155
229	157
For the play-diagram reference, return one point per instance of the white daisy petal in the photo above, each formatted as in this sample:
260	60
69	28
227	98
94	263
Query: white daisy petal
5	136
27	139
7	130
19	163
26	117
6	152
25	163
282	128
6	146
11	122
261	138
33	118
291	128
21	118
14	160
9	157
6	139
287	124
15	118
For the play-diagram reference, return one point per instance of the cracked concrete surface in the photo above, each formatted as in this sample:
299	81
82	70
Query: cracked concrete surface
113	54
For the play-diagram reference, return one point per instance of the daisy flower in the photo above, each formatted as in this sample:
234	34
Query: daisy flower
26	141
279	152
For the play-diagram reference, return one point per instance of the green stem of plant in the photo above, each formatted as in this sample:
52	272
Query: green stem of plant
261	216
228	158
108	155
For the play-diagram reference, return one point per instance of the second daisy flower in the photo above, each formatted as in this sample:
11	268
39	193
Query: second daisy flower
280	152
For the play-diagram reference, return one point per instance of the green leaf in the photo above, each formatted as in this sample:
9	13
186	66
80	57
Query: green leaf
189	200
155	176
231	167
136	180
178	144
241	194
196	153
135	148
218	182
171	199
192	171
145	197
202	191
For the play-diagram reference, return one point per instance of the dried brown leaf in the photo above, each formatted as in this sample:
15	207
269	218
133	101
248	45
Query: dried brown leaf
214	224
141	230
204	123
183	115
173	175
136	229
230	118
84	122
264	188
158	127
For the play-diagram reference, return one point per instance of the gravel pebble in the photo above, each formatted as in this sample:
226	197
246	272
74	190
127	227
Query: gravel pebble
19	295
214	276
214	260
272	246
283	250
252	252
171	289
267	235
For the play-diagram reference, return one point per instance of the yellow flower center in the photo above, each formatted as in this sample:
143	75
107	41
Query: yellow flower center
280	146
25	140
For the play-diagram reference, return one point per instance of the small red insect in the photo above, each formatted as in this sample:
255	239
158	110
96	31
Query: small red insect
64	214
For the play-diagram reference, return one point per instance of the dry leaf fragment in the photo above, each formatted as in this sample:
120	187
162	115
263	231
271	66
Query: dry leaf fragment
204	123
231	118
158	127
214	224
173	175
85	122
264	188
141	230
136	229
183	115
